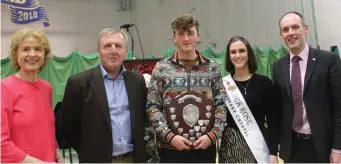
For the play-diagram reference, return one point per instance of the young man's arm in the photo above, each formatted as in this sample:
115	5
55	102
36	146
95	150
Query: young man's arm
219	95
154	106
155	109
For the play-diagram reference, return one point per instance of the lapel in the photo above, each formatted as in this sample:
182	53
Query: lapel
98	88
130	82
312	57
286	73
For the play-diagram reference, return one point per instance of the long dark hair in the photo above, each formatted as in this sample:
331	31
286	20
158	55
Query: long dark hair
252	63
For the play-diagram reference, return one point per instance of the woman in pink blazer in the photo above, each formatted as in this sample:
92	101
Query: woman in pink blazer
27	119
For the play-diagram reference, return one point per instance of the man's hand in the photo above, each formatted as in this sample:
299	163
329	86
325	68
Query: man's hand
273	159
202	143
181	143
335	157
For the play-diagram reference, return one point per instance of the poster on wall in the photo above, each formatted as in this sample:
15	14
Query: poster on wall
26	11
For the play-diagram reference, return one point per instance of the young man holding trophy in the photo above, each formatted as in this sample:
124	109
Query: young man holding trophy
185	102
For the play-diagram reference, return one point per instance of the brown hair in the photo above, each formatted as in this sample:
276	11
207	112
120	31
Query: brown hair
185	22
292	12
23	34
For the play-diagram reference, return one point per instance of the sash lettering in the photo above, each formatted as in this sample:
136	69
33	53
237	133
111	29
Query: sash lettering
245	121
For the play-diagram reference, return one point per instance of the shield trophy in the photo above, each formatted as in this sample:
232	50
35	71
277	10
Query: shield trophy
190	115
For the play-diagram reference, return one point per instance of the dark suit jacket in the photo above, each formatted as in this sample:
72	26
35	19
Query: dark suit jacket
322	99
86	122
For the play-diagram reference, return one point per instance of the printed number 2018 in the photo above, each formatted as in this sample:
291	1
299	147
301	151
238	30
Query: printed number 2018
27	15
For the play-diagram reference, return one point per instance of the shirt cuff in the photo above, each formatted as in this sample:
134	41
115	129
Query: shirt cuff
336	151
211	135
169	137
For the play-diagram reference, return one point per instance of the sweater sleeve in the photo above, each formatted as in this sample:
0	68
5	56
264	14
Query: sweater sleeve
155	107
219	95
10	153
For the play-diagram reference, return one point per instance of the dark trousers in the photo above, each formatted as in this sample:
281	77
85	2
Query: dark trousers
303	151
188	156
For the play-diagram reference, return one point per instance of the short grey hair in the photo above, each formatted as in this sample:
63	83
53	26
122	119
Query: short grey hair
108	31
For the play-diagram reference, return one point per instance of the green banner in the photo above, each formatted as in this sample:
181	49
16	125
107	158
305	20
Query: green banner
59	69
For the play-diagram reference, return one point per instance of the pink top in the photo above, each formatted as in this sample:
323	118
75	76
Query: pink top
303	67
27	120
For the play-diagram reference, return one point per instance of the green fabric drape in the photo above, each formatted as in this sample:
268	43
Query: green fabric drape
266	58
59	69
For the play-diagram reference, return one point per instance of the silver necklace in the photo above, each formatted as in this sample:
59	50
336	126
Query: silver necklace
245	86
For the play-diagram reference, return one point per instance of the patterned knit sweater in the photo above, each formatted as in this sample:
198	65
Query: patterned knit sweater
170	78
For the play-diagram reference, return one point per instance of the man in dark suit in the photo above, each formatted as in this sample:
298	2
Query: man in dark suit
104	108
309	83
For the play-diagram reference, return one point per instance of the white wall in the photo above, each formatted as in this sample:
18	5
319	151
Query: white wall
328	19
256	20
74	24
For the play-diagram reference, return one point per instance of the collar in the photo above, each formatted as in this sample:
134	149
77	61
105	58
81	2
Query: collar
200	58
303	54
106	75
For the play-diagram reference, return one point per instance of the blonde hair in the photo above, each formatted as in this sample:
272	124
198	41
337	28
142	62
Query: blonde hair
108	31
23	34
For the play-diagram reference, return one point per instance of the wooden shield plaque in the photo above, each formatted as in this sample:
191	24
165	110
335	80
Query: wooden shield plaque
190	115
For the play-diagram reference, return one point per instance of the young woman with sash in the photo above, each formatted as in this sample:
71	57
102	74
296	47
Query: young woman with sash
251	133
